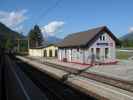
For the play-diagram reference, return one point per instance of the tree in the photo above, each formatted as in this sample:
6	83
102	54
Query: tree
9	44
127	43
35	37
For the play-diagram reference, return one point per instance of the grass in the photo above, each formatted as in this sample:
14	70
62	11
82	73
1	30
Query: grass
123	55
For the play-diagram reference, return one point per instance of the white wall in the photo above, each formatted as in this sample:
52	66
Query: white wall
84	55
76	56
36	52
111	46
68	54
59	54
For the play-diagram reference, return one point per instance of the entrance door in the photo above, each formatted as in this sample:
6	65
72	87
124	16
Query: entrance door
55	53
45	53
50	53
98	53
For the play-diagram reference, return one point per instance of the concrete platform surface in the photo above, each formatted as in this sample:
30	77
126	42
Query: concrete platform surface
122	70
83	84
56	61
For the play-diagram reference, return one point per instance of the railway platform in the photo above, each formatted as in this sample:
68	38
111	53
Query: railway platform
88	85
122	70
21	81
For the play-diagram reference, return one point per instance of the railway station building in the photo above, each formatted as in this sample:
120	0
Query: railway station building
97	44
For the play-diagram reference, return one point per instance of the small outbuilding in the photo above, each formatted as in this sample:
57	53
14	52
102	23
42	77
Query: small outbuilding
48	50
97	45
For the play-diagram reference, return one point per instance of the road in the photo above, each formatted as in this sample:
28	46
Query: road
20	81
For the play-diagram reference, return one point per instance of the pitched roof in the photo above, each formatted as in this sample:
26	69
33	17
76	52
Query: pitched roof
85	37
46	44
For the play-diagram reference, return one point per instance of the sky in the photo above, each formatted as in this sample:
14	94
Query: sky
62	17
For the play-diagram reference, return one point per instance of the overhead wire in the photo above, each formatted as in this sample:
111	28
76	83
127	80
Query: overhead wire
47	11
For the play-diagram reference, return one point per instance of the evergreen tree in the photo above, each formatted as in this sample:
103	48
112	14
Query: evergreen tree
35	37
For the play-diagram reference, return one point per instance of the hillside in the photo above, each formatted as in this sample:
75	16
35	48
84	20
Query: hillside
8	34
128	36
53	39
127	40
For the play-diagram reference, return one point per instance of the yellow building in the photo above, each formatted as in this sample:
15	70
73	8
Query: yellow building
35	52
49	50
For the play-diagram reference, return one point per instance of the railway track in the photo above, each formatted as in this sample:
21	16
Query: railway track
24	82
54	86
122	84
17	85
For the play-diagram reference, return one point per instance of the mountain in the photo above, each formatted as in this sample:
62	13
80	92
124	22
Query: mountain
53	39
128	36
127	40
8	34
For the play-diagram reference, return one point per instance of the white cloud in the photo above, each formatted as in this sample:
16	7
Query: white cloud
130	29
52	28
19	28
13	19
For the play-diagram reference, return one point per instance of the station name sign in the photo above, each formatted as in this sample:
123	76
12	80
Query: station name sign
102	44
105	44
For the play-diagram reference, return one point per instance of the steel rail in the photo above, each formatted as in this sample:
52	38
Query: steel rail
43	85
18	86
119	83
60	89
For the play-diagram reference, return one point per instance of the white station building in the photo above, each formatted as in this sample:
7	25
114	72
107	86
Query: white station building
98	44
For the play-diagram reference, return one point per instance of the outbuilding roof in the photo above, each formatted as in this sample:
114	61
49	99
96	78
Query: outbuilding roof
44	45
82	39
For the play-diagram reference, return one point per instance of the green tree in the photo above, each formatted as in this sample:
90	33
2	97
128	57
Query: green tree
9	44
127	43
35	37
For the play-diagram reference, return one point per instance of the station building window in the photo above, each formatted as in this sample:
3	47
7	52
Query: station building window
92	50
106	52
102	37
45	53
98	53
